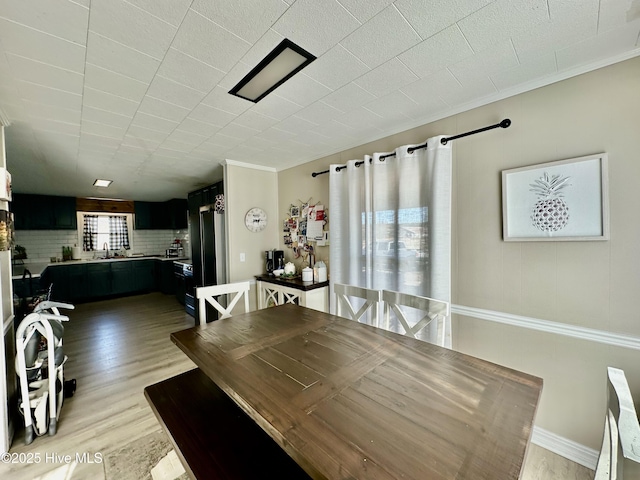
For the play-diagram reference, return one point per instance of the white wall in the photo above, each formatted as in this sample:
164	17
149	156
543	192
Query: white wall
587	289
247	187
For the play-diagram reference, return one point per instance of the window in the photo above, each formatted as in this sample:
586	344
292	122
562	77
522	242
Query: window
101	229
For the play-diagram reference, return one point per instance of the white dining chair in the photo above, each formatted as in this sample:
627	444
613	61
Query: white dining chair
208	295
407	308
620	454
345	307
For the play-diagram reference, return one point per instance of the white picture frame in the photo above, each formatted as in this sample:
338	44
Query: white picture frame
565	200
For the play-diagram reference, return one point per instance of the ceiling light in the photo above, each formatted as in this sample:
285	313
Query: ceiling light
281	64
102	183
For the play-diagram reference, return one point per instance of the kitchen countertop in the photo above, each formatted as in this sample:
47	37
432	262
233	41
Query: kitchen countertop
37	268
296	282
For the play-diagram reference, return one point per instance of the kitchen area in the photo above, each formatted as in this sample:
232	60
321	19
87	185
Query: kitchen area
156	255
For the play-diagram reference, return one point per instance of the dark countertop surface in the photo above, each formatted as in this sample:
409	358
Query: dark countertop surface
296	283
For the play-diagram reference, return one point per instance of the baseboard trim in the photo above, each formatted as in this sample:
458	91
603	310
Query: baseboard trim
590	334
564	447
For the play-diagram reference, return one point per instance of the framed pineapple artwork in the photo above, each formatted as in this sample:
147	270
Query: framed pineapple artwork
566	200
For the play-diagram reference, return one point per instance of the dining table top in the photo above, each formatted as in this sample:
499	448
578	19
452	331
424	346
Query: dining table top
350	401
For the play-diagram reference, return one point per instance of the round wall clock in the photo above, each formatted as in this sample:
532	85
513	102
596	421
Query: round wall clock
255	220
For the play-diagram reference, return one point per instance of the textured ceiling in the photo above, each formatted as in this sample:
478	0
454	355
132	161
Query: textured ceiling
136	91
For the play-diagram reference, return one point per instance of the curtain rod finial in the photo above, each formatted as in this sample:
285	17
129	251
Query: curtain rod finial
506	123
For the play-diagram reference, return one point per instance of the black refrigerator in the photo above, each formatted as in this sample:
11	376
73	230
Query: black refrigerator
212	247
207	239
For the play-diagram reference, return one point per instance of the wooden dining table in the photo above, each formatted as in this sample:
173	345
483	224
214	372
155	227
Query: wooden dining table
349	401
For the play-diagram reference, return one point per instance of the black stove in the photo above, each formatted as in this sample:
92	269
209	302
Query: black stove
185	286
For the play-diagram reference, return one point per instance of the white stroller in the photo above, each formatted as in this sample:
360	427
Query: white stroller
41	369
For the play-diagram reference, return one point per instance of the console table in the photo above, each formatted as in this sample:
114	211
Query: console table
274	291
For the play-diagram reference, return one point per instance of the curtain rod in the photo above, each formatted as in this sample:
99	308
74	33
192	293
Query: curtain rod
503	124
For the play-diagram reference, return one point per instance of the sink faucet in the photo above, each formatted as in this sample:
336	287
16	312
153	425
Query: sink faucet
105	246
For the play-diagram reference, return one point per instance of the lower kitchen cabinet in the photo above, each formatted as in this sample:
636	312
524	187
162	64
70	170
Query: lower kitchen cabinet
166	278
69	283
77	278
122	278
144	275
59	279
89	281
99	279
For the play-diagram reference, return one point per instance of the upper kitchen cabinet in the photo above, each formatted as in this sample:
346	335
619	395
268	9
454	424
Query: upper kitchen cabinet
64	213
204	196
170	215
142	212
177	213
44	212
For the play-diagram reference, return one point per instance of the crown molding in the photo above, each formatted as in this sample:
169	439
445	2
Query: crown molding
253	166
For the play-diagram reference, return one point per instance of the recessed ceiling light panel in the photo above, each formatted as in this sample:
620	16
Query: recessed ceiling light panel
281	64
102	183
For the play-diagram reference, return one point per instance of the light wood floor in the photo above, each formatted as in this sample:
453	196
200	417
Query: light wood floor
115	349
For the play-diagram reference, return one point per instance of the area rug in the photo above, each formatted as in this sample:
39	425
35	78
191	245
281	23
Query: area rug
135	460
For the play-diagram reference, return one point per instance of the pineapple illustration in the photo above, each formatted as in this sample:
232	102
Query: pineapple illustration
550	213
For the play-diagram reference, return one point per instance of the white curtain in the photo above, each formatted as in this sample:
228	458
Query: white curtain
391	221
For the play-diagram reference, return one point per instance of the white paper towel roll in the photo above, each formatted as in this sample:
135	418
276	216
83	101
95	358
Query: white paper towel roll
75	253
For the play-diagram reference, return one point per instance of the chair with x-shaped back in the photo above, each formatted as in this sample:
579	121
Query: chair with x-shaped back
208	295
620	454
423	310
344	307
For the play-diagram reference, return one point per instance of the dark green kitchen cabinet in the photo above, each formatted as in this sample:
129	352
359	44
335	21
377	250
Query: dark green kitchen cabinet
68	282
144	275
166	277
170	215
99	279
77	281
40	213
159	216
142	212
177	213
22	287
121	278
194	202
32	212
20	208
204	196
64	213
58	277
44	212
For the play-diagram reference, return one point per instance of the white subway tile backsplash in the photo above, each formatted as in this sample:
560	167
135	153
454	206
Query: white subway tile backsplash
41	245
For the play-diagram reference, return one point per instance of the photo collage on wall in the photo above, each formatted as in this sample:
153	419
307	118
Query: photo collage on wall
304	228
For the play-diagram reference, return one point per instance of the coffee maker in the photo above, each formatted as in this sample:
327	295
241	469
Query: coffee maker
274	259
